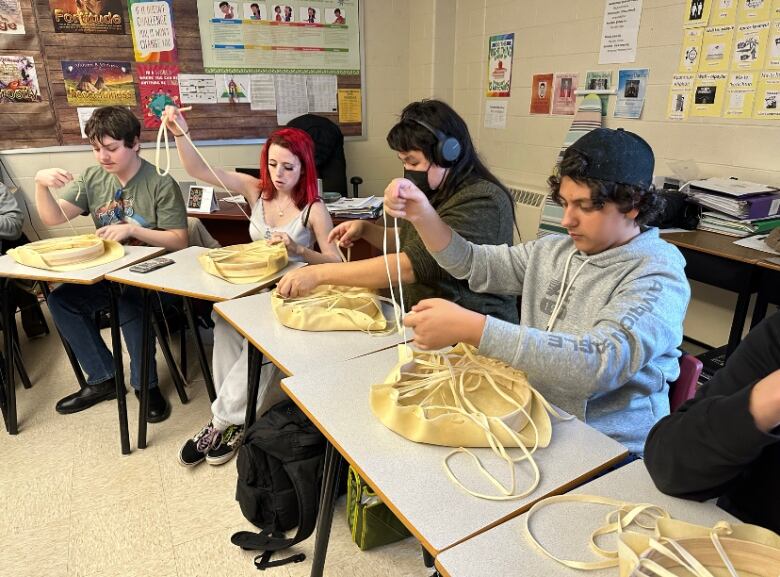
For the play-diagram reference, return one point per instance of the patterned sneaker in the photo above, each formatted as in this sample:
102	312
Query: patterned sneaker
195	449
224	451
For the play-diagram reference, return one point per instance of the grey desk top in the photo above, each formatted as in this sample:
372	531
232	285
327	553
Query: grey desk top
410	477
187	278
564	529
133	254
291	350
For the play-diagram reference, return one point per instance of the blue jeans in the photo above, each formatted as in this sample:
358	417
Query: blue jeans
73	308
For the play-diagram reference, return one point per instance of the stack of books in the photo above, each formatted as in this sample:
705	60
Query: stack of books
736	207
369	207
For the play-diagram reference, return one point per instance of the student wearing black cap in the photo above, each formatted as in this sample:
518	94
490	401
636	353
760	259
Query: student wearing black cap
602	308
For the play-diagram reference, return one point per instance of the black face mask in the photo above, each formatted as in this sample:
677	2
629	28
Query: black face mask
420	179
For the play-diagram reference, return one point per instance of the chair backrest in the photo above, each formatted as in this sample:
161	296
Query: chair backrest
328	150
684	387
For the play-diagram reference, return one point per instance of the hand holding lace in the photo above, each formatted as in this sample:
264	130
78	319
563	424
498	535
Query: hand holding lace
439	323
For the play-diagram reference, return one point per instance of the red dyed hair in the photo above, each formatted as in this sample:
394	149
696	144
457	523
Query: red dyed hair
301	145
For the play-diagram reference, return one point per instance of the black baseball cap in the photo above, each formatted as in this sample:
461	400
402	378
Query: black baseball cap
617	156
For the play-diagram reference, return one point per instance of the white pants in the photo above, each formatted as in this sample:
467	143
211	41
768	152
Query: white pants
230	368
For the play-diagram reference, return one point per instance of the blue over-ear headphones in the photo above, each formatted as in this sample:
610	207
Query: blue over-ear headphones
447	149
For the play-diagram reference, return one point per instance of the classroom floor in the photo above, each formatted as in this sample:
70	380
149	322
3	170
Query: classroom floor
72	506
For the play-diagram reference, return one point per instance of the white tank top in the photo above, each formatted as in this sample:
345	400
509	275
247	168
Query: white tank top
294	229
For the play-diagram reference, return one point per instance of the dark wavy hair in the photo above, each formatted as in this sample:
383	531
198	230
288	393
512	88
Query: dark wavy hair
301	145
116	122
626	197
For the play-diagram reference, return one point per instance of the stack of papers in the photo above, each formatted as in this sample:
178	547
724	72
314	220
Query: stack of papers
724	224
368	207
737	198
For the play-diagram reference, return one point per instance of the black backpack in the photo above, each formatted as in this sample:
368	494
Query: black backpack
279	477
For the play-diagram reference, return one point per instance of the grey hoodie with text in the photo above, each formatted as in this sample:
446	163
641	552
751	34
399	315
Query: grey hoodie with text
613	345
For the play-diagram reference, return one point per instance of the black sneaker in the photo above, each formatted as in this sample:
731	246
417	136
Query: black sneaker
230	442
195	449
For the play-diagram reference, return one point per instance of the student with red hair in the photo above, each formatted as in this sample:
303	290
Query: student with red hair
285	209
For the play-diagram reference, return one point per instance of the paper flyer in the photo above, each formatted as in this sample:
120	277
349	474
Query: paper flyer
11	19
151	25
767	96
680	95
709	93
98	83
500	50
18	79
740	93
619	31
84	114
291	97
233	88
750	48
262	92
754	10
600	80
495	113
541	93
716	49
697	12
350	105
632	86
158	85
773	47
198	88
691	49
564	100
723	12
88	16
321	92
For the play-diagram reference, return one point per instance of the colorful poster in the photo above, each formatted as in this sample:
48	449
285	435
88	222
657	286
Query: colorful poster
619	31
11	20
98	83
750	46
691	49
500	50
18	79
723	12
564	99
233	89
632	86
754	10
773	47
680	95
716	49
198	88
767	104
151	25
350	105
697	12
709	94
158	85
600	80
88	16
541	93
740	93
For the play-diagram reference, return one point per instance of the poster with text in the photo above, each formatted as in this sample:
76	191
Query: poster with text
773	47
541	93
723	12
600	80
198	88
716	49
619	31
88	16
767	103
709	92
750	46
98	83
691	49
740	93
158	85
500	50
151	25
697	12
632	87
11	19
18	79
564	100
233	89
680	95
754	10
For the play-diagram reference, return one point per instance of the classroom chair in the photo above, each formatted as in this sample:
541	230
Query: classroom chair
684	387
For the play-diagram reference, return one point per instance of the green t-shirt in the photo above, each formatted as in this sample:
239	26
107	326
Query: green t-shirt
148	199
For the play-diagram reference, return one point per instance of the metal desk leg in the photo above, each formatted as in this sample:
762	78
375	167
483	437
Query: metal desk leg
204	362
254	368
119	368
738	321
145	362
11	424
68	351
330	480
173	368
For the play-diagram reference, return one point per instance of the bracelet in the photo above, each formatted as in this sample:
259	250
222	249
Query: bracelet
182	134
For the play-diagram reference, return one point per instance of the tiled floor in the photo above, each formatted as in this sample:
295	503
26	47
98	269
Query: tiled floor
72	506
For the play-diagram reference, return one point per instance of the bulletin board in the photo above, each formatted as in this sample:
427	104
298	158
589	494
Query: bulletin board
53	121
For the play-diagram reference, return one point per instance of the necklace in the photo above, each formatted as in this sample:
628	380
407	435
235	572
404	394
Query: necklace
280	211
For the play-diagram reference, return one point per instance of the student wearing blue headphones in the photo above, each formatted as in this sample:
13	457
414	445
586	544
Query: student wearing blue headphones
434	145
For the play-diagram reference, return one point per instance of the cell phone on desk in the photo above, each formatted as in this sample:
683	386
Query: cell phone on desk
150	265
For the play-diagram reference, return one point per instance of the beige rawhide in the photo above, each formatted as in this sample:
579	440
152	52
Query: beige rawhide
69	253
332	308
461	399
245	263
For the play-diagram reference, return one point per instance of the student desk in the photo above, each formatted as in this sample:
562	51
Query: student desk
410	477
10	269
186	278
564	529
769	288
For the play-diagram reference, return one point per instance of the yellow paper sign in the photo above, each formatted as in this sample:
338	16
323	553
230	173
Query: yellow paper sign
773	47
740	93
753	10
691	49
350	105
697	12
750	46
767	96
680	96
716	49
709	93
723	12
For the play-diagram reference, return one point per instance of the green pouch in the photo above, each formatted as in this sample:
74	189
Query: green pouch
371	522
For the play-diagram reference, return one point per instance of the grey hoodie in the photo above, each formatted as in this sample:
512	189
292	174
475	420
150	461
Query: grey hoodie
613	345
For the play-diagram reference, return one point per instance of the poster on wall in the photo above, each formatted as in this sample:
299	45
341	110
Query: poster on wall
158	85
541	93
500	50
754	10
750	48
716	49
564	99
151	26
233	89
740	93
600	80
98	83
632	86
697	12
495	114
709	94
691	49
619	31
11	20
773	47
723	12
198	88
88	16
680	96
18	80
767	103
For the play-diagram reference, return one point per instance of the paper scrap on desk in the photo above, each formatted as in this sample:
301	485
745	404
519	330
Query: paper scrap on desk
263	92
619	31
321	92
756	243
291	97
198	88
350	105
84	113
495	113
